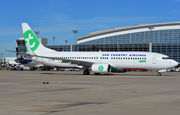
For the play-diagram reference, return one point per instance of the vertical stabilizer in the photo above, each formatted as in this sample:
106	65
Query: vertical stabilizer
19	56
32	42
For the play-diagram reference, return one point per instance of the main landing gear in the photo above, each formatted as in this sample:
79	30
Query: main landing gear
158	74
96	73
86	71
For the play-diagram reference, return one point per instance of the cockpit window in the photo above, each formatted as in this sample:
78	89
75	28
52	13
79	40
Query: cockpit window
165	58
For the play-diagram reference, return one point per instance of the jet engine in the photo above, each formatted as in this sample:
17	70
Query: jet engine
101	68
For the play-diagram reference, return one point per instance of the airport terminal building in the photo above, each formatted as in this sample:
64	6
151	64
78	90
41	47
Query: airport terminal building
160	37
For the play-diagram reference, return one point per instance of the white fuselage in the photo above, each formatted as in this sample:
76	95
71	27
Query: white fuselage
118	60
34	64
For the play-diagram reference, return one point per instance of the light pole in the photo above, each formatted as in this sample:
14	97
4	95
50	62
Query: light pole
150	42
74	31
66	41
37	32
53	39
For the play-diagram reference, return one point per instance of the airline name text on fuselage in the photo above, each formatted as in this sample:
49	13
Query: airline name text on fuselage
143	55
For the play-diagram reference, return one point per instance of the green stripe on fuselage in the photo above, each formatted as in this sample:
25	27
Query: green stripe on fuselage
113	68
141	61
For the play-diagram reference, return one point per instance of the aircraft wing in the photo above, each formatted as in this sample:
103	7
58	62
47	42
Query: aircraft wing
78	62
19	53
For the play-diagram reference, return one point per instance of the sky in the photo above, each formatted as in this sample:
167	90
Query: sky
59	17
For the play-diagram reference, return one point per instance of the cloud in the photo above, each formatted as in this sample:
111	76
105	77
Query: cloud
175	11
8	45
9	31
111	19
63	23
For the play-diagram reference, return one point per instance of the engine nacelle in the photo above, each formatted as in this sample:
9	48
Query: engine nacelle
101	68
118	71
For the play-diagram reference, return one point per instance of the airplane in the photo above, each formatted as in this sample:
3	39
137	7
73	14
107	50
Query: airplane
97	62
12	64
27	62
11	61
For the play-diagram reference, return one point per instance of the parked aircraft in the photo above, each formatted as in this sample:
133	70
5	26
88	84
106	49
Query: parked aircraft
27	62
97	62
11	61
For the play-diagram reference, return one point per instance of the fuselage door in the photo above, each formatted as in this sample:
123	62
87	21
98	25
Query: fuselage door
98	58
169	62
154	59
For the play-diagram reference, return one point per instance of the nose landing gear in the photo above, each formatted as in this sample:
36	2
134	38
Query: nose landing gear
158	74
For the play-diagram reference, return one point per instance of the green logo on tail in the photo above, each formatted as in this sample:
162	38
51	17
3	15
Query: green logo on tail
31	40
100	68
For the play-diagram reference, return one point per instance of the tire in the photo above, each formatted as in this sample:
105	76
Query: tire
96	73
158	74
86	72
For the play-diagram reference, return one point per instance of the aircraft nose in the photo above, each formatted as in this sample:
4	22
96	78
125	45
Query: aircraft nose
174	63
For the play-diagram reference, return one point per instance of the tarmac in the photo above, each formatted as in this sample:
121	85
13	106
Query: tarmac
71	93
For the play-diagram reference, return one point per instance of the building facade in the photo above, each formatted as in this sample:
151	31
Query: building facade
162	38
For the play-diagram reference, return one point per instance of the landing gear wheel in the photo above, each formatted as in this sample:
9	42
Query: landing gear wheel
158	74
86	72
32	69
96	73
